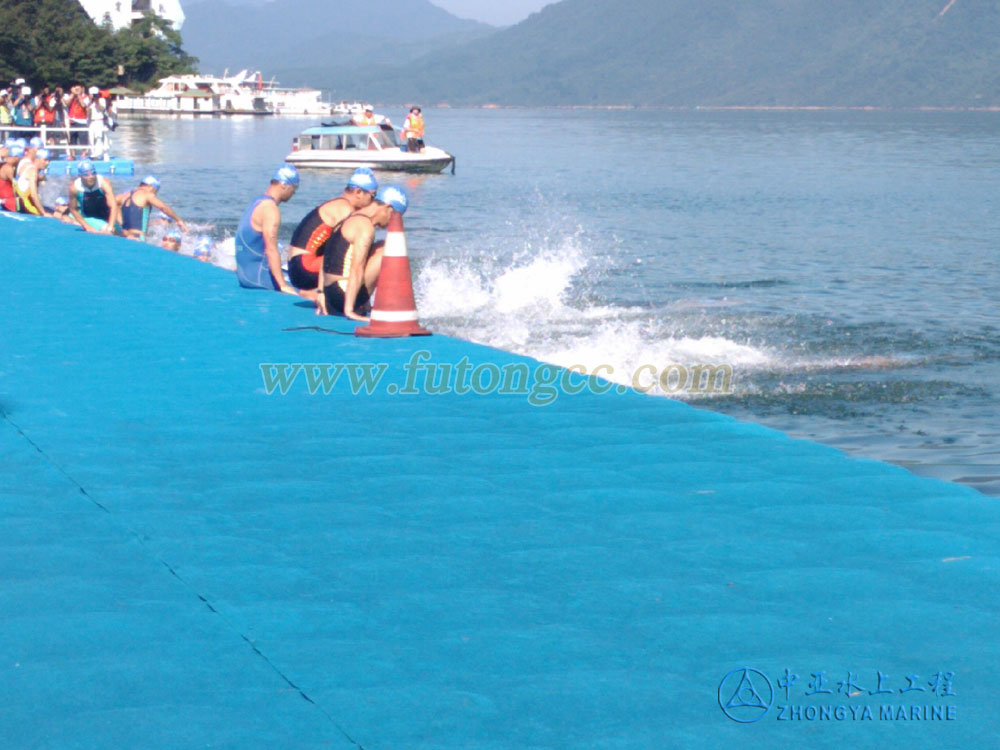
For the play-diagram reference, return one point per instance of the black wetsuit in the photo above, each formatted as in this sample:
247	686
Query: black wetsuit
337	262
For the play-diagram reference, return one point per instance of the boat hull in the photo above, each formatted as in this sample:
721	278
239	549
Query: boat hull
400	161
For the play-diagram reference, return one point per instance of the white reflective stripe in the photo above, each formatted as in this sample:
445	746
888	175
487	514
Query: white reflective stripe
389	316
395	245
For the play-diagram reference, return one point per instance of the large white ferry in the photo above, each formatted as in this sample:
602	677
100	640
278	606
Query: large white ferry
199	95
245	93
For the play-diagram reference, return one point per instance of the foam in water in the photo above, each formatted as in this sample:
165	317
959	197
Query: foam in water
532	306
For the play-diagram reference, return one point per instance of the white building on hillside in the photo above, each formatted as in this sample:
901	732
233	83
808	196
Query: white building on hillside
121	13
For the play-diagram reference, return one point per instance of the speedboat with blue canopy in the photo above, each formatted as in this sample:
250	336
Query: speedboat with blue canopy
349	146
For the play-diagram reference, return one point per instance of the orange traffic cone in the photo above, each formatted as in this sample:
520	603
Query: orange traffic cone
394	313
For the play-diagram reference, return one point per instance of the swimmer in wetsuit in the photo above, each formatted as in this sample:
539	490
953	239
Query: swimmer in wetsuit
312	235
92	200
258	263
136	205
29	172
353	259
8	171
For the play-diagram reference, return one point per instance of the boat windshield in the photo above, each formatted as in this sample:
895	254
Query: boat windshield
385	138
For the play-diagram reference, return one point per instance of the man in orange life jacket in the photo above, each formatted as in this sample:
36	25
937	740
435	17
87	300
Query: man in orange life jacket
413	130
368	118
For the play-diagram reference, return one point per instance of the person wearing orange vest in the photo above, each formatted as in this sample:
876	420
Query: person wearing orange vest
368	118
413	130
76	107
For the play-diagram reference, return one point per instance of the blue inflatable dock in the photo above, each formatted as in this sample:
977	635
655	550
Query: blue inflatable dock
113	166
202	548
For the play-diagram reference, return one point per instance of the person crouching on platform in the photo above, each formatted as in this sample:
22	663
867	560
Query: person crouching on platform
353	259
136	205
92	200
312	236
26	182
258	262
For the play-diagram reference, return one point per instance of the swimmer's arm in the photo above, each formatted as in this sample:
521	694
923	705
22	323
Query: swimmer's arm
361	242
37	200
169	212
76	212
112	205
270	220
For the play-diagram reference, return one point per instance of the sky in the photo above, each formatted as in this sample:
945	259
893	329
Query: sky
496	12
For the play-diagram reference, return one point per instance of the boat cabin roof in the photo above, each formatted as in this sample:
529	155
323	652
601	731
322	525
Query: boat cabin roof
335	128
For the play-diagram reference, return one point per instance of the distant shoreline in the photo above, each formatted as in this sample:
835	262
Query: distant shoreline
726	108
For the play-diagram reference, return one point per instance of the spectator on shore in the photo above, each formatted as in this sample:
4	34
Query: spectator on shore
76	109
21	113
5	114
45	114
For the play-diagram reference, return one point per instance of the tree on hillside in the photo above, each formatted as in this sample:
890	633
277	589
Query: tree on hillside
55	42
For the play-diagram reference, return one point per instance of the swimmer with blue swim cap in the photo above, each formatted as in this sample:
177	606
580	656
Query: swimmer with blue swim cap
258	260
92	200
353	259
136	205
311	237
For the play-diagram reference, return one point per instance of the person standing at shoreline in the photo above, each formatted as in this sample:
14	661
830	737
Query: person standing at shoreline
311	237
258	262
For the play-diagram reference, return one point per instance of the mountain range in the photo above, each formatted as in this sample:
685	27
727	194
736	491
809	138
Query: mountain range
298	39
683	53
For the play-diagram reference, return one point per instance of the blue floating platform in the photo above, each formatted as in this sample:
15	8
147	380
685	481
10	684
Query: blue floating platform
190	560
103	166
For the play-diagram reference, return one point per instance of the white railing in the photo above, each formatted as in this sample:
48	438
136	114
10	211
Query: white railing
94	143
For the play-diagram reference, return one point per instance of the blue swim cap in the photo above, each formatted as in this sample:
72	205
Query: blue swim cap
363	178
286	174
395	197
15	150
36	142
204	247
62	200
173	234
151	181
85	168
43	153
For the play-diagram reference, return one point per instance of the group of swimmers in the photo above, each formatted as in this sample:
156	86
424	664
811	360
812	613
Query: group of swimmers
334	258
91	202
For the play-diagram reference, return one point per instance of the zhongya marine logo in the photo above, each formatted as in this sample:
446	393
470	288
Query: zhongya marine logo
745	695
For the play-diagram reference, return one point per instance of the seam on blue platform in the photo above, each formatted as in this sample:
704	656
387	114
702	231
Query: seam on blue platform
174	573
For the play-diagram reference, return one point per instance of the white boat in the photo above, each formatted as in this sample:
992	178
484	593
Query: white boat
345	108
348	146
285	101
199	95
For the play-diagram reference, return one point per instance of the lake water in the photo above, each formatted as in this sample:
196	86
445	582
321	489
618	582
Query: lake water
845	265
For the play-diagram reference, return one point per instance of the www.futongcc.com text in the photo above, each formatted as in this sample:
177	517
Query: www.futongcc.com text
540	383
